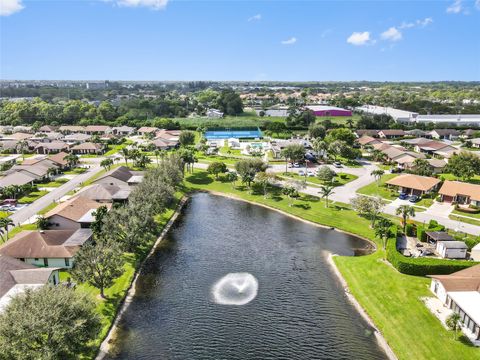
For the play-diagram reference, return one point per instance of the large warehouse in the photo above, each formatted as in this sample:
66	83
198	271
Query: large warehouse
323	110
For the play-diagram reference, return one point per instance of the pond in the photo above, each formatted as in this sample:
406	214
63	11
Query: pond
234	280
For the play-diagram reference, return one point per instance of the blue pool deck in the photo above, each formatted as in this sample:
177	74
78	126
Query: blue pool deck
238	134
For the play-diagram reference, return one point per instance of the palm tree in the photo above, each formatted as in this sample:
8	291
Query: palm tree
22	146
453	322
326	191
4	224
350	123
320	147
377	174
382	230
71	160
405	211
106	163
377	155
126	155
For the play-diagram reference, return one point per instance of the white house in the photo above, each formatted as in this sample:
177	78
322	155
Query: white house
214	113
475	253
452	249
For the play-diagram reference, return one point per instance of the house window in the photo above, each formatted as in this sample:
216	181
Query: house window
36	259
45	261
67	262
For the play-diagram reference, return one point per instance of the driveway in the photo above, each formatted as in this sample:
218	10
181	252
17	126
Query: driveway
24	214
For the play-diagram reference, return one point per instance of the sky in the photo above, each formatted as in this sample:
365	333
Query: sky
240	40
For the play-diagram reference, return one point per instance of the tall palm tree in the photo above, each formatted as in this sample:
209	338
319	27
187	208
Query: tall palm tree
377	174
453	322
71	160
4	224
382	230
326	191
126	155
405	211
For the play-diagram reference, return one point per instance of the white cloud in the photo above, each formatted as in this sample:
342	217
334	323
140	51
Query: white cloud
9	7
391	34
257	17
417	23
360	38
290	41
455	8
152	4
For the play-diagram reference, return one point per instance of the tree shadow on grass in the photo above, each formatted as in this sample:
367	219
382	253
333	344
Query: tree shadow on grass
465	341
302	206
309	198
200	179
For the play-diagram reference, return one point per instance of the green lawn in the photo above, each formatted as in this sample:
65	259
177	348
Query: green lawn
4	214
55	183
380	189
448	176
30	198
75	171
390	298
425	201
465	220
476	216
339	181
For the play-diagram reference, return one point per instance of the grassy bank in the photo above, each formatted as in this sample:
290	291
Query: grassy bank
378	188
390	298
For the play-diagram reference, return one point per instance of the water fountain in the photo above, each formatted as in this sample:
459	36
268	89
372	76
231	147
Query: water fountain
235	289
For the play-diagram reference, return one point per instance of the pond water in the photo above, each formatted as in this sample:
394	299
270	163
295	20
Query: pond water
234	280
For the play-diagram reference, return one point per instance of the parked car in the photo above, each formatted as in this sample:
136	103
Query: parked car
414	198
296	165
301	172
337	164
403	196
310	173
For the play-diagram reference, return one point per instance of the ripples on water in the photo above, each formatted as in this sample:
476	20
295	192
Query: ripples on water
299	312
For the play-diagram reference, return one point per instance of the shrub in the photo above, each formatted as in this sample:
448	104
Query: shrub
410	230
421	234
424	266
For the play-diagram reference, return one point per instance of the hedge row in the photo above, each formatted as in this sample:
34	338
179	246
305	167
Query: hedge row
423	266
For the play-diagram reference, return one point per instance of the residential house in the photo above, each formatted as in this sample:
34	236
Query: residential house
18	178
437	165
414	184
76	138
51	147
98	129
20	136
214	113
469	133
435	148
391	133
417	133
460	192
74	213
475	143
9	146
164	144
146	130
445	134
47	248
475	253
120	176
367	132
87	148
59	160
123	130
460	292
47	137
70	129
16	276
47	128
106	193
366	140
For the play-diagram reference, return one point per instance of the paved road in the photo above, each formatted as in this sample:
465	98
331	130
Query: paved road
27	212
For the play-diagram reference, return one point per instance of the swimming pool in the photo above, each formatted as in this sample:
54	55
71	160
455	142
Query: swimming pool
238	134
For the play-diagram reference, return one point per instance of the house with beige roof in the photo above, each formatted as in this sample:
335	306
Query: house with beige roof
76	138
51	147
120	176
460	293
69	129
98	129
87	148
391	133
460	192
366	140
145	130
75	213
414	184
47	248
106	193
16	276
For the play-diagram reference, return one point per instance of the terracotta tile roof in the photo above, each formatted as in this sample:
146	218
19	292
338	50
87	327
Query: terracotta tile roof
393	132
59	158
74	209
464	280
416	182
105	192
454	188
46	243
365	140
87	146
147	129
73	128
97	128
433	145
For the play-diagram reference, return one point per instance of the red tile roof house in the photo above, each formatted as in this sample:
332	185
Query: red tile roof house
69	129
98	129
47	248
460	192
414	184
87	148
51	148
74	213
17	276
144	130
366	140
391	134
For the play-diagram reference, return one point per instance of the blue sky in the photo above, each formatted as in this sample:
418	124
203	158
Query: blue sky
240	40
